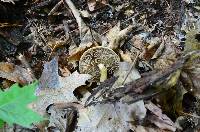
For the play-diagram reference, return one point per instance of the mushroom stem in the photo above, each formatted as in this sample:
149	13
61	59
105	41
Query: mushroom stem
103	72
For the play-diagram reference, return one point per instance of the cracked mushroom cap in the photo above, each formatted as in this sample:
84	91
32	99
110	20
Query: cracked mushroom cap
91	58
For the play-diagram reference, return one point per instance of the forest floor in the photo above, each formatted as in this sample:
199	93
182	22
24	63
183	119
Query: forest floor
100	65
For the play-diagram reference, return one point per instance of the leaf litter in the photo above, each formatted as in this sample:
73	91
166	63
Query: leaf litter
61	90
156	84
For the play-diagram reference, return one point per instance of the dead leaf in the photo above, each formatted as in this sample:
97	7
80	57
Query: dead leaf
50	77
146	129
57	119
62	117
159	51
85	14
165	61
85	31
89	38
153	78
138	42
125	56
62	94
15	73
96	4
190	75
159	119
6	84
169	52
55	43
126	74
76	53
191	42
65	71
108	117
116	37
113	32
155	41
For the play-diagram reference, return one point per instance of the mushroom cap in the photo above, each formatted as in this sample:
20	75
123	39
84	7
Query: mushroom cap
91	58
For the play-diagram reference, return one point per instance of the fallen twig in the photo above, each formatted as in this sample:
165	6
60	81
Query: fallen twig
136	87
55	8
82	26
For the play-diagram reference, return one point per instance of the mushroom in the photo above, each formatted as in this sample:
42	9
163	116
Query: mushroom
98	62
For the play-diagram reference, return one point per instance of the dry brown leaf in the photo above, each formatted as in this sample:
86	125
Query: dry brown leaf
65	71
55	43
76	53
96	4
116	37
89	40
15	73
190	75
159	119
108	117
159	51
165	61
153	42
169	55
125	56
137	42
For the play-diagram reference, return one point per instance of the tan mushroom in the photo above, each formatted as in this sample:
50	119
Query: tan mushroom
98	62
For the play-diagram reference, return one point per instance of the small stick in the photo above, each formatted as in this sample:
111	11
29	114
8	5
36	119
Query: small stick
82	26
55	8
75	12
133	65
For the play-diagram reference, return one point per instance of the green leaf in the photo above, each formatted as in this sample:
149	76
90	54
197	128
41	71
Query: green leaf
13	105
1	123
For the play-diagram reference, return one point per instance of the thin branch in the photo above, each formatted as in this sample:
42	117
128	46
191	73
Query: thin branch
82	26
55	8
132	66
